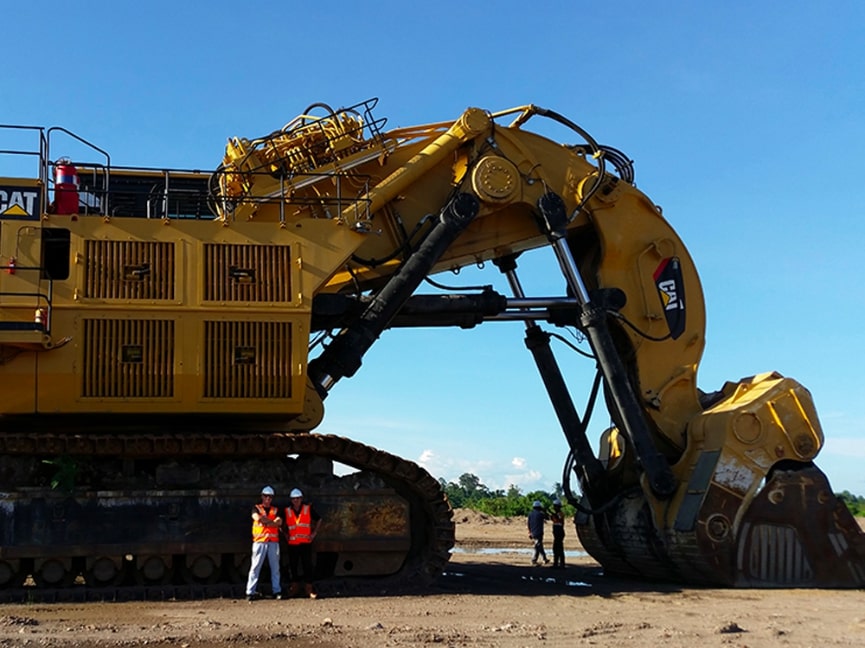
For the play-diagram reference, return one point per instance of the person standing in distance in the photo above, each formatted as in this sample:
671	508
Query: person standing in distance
557	517
265	544
301	526
535	522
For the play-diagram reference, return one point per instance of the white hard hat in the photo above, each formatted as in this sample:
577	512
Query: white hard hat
557	502
296	493
267	490
536	504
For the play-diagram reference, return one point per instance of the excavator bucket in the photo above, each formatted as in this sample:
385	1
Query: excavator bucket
796	533
751	508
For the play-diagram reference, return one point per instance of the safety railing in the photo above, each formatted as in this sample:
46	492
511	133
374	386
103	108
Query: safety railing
99	188
32	316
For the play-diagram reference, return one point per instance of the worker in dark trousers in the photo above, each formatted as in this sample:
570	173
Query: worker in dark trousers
301	527
558	520
535	522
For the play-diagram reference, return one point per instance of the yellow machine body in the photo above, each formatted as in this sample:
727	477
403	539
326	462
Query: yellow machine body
136	312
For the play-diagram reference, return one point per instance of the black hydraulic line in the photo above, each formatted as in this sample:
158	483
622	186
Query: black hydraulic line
588	468
336	311
593	322
661	479
590	471
595	149
343	356
465	311
331	311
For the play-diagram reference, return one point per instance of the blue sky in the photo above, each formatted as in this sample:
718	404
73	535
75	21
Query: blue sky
744	120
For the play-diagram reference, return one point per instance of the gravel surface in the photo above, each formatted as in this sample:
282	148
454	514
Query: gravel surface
490	595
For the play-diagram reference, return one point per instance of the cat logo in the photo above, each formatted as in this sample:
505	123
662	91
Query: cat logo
669	298
671	290
20	203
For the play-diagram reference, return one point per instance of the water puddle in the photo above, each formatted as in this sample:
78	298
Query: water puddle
495	551
536	579
550	579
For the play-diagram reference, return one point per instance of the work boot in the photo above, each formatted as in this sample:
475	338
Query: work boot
310	592
293	589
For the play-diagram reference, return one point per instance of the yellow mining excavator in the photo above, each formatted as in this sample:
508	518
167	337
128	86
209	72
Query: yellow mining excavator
168	337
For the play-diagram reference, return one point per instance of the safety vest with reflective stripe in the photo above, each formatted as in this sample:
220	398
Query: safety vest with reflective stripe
299	526
261	533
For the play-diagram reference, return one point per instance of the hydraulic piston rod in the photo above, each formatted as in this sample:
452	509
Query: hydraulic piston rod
343	356
593	321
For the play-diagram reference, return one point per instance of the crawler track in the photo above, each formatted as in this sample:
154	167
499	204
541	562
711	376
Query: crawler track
431	524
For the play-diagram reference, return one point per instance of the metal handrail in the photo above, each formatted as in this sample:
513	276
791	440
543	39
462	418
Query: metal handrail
47	298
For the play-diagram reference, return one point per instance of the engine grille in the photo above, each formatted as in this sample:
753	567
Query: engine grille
247	359
128	358
254	273
129	270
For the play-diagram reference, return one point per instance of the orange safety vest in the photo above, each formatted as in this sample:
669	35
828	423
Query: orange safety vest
261	533
299	526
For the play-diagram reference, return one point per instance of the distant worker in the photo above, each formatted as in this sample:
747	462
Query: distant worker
301	526
265	544
536	520
558	520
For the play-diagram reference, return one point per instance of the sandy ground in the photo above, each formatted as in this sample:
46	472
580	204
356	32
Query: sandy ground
489	596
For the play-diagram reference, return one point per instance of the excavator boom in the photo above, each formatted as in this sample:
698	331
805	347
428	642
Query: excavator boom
688	486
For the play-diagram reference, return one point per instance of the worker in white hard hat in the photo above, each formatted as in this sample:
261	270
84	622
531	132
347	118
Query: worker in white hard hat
535	522
301	527
265	544
557	517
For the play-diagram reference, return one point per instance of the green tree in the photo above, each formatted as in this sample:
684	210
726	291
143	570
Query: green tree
472	487
855	503
469	492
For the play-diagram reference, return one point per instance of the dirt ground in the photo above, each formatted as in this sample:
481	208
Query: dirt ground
490	595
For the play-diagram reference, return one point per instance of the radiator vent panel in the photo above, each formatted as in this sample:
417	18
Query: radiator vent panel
247	273
129	270
128	358
247	359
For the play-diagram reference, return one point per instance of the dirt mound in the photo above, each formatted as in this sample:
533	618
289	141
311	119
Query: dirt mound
476	529
468	516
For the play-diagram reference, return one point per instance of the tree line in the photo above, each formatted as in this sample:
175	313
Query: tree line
856	503
469	492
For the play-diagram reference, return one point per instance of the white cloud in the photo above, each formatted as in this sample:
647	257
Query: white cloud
426	457
450	468
495	474
528	480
